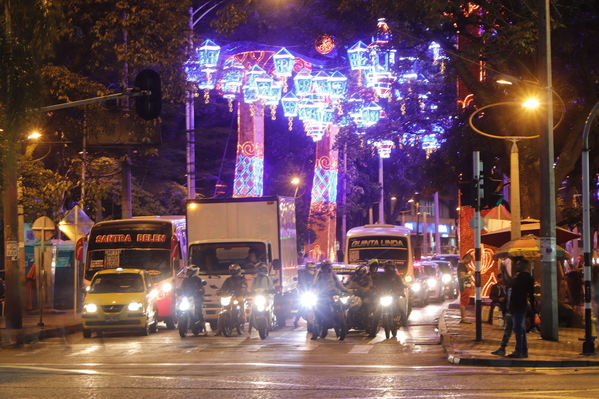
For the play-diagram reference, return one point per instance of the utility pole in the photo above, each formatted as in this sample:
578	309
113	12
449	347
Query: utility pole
381	193
190	126
549	318
478	181
516	230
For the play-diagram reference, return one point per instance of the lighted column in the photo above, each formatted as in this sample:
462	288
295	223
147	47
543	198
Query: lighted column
249	167
323	205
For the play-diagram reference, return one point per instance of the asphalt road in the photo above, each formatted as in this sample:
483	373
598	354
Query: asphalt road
285	365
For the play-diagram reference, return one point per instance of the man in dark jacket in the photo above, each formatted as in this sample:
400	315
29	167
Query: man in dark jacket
521	295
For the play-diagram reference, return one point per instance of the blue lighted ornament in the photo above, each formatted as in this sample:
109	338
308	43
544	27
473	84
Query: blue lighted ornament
254	72
384	148
371	114
338	85
207	54
358	56
290	104
192	70
250	94
315	130
303	82
283	61
321	84
264	84
233	72
276	90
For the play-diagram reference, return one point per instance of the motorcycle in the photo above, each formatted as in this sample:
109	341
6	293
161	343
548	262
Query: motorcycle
230	316
307	306
391	313
331	313
261	317
358	314
190	316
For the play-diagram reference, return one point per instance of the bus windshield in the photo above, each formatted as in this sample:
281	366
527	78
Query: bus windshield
215	258
117	282
383	248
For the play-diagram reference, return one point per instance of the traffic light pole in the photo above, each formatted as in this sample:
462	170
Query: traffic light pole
478	184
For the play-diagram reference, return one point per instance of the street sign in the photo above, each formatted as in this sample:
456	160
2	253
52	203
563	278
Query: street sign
43	228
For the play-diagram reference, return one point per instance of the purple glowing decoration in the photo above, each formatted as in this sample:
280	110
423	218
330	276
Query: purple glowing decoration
290	104
303	82
384	148
249	171
321	84
371	114
283	61
338	85
358	56
207	55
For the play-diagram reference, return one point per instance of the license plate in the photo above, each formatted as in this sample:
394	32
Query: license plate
112	318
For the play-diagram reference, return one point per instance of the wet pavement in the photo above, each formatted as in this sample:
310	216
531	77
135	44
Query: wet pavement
285	365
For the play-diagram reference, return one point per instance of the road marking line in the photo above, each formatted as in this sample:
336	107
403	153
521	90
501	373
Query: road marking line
361	348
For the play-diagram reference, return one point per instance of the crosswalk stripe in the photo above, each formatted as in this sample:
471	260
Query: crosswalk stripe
361	348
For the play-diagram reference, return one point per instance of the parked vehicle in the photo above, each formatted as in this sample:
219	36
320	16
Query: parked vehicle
120	299
244	231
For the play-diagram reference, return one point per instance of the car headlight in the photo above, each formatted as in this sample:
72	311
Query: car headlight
344	300
416	287
135	306
184	304
225	301
260	302
309	299
431	282
166	287
386	300
409	279
90	308
446	278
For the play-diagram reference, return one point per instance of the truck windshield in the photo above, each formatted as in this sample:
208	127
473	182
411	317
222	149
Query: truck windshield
430	270
155	261
215	258
118	282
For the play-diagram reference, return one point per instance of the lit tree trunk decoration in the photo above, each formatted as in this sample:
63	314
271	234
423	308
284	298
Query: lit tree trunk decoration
323	205
249	167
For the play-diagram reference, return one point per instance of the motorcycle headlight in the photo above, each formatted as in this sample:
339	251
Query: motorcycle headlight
309	299
166	288
416	287
431	282
184	304
135	306
225	300
344	300
260	302
386	300
409	279
446	278
90	308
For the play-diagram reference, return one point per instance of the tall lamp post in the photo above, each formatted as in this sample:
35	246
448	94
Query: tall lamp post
588	346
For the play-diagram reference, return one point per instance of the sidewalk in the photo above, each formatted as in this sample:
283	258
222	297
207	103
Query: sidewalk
458	341
57	323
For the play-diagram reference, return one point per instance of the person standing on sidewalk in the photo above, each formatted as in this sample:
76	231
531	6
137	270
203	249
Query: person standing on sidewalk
508	326
498	298
522	294
465	283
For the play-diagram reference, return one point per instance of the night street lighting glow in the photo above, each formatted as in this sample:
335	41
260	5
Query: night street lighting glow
34	135
295	181
503	82
531	103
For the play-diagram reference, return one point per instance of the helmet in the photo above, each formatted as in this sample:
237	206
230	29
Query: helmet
361	271
234	269
262	269
310	265
192	271
373	262
325	266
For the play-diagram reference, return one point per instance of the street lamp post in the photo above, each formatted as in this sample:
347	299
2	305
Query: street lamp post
588	346
381	193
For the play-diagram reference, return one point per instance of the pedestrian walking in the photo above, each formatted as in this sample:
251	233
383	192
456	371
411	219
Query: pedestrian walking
465	282
521	297
508	325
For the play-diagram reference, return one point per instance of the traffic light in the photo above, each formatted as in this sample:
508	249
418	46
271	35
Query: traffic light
467	193
148	106
493	192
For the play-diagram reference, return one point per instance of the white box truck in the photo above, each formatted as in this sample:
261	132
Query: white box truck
245	231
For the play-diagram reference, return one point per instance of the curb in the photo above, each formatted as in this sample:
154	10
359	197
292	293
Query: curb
12	338
502	361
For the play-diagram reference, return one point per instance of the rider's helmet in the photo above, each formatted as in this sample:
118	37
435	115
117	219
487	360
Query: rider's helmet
389	267
311	268
262	269
193	271
235	269
373	265
362	271
326	266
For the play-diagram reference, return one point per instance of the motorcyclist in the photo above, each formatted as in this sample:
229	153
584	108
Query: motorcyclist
262	283
388	282
236	284
304	283
193	286
373	267
360	282
326	281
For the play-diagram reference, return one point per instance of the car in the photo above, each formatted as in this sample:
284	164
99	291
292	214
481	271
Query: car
427	284
449	279
120	299
454	259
